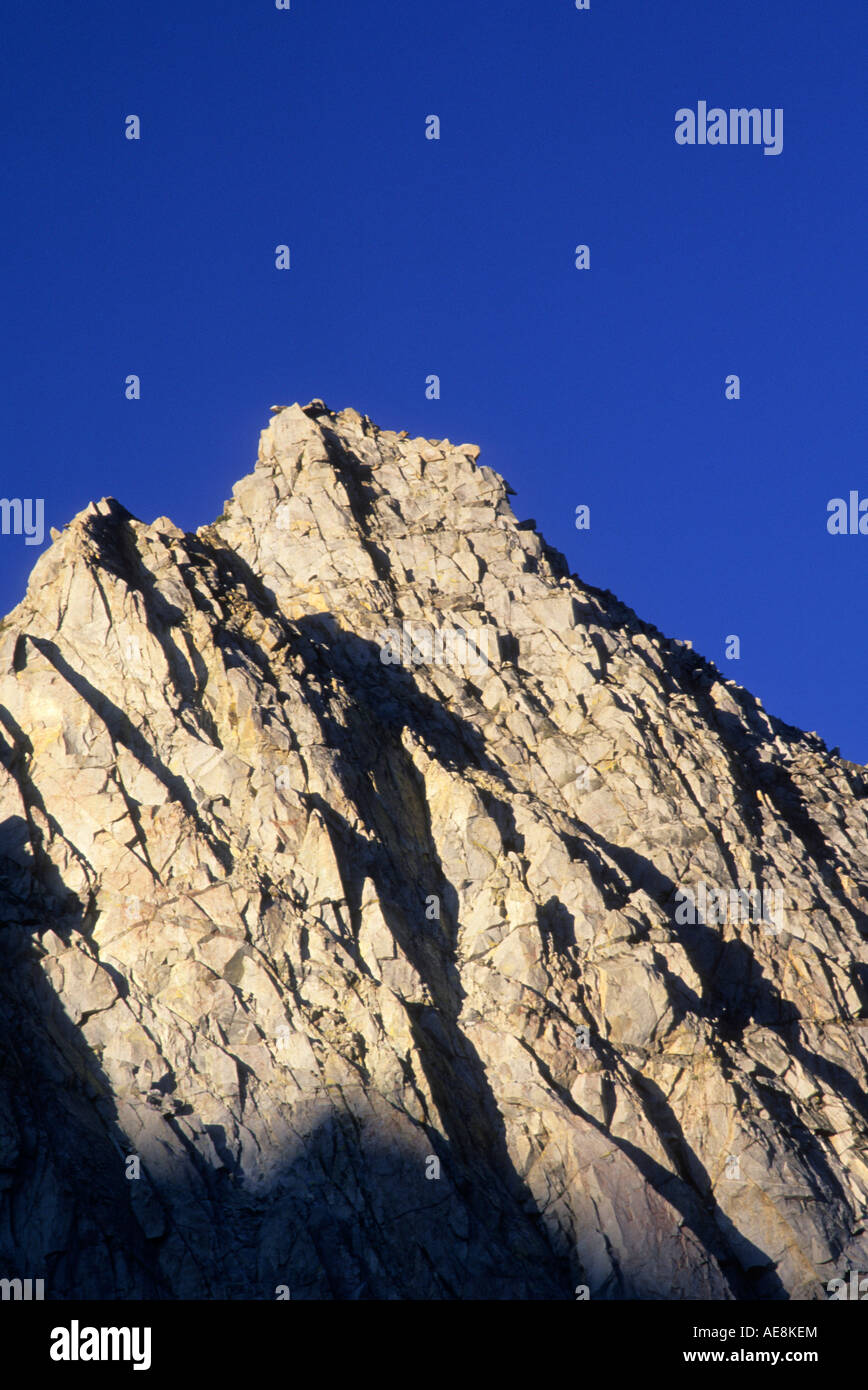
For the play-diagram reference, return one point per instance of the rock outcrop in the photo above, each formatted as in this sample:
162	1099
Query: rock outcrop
388	914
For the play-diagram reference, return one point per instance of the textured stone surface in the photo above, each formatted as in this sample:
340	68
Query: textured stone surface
226	830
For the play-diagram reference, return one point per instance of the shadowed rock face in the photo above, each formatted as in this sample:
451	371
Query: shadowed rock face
384	972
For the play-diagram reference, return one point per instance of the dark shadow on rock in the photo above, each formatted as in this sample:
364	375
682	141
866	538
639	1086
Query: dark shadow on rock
747	1270
124	732
366	740
388	694
90	1242
398	854
737	994
346	1215
66	1206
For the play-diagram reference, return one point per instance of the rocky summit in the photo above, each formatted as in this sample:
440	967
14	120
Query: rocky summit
387	914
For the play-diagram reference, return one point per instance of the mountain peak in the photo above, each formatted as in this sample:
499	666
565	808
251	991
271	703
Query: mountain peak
357	859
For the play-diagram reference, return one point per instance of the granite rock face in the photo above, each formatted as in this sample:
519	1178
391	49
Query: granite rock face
383	916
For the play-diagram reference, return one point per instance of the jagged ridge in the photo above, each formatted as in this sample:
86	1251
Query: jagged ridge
228	828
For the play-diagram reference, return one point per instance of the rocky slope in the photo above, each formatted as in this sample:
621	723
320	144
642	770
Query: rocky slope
366	978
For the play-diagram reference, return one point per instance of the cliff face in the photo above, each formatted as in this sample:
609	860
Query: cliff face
420	977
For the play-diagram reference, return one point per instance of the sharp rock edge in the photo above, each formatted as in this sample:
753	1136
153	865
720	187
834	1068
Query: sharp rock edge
373	972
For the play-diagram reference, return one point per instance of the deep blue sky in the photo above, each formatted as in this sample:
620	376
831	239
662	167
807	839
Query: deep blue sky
456	257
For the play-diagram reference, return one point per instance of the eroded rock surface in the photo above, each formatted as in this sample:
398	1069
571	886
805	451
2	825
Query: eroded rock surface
290	931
